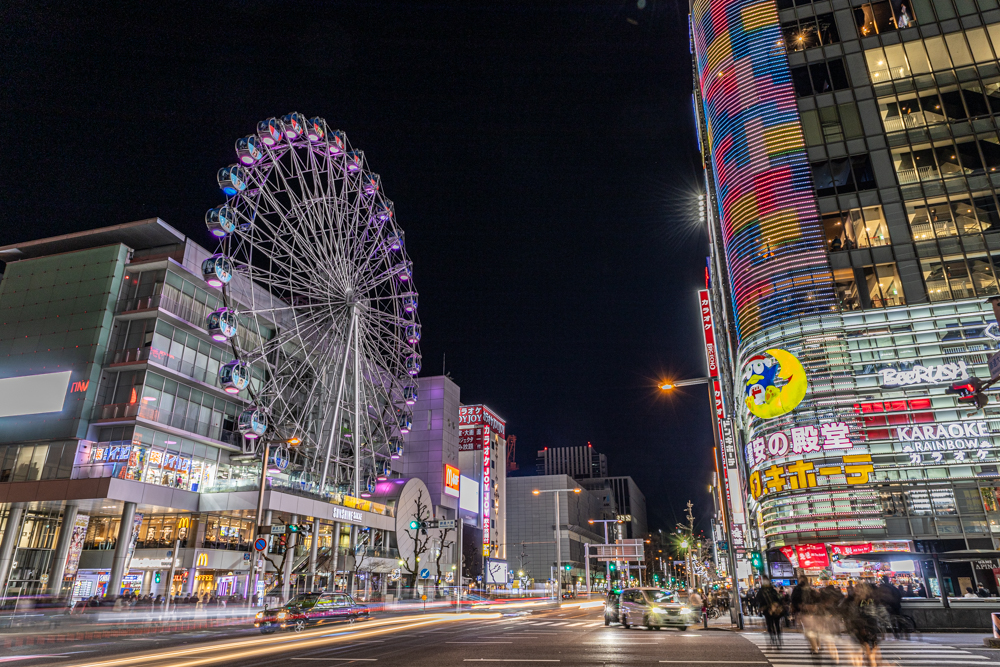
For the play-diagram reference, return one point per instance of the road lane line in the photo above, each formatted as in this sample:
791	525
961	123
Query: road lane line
479	642
340	659
509	660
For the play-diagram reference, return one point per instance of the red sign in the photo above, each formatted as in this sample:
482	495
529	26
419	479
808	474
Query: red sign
706	324
870	547
720	409
812	556
470	439
474	415
789	553
487	491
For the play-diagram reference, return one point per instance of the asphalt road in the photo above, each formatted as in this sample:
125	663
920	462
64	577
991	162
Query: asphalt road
570	636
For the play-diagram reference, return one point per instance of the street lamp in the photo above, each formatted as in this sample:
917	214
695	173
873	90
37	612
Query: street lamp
668	385
607	563
555	494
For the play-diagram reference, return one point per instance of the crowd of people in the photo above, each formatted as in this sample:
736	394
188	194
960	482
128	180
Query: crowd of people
866	612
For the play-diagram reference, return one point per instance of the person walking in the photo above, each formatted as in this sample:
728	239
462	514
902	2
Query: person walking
772	607
804	607
864	616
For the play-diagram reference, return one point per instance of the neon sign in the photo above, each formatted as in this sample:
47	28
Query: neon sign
922	375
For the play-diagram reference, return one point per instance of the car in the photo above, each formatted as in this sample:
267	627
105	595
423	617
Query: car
611	614
569	595
310	609
654	608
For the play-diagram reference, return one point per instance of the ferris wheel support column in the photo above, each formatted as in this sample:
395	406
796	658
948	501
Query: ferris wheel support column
336	410
357	405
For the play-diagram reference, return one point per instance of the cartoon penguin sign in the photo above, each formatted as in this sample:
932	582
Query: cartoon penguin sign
764	398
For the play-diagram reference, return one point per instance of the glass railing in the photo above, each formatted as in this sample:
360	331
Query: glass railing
302	486
132	355
188	368
175	420
193	312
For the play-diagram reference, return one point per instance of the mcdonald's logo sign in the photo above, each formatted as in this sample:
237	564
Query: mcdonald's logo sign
202	560
184	522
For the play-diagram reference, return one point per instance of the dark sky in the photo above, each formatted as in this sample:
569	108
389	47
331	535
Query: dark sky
541	156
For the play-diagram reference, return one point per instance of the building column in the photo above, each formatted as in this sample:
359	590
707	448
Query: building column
121	551
293	540
313	555
335	557
11	535
62	548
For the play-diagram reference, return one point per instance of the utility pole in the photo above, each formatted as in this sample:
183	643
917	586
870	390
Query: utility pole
690	561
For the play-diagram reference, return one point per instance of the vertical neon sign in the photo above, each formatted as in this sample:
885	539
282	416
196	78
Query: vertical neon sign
487	491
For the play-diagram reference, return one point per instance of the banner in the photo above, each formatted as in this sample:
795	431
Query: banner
136	525
709	331
76	545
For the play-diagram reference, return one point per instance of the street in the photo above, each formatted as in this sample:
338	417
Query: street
572	635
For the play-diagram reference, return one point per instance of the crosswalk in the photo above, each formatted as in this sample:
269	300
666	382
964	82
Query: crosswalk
795	653
558	624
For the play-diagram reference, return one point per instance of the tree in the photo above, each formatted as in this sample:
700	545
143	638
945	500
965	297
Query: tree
437	560
421	540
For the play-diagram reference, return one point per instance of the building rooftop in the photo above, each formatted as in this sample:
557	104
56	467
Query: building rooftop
149	233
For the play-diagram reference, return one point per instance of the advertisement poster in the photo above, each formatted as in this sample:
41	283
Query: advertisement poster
76	545
136	525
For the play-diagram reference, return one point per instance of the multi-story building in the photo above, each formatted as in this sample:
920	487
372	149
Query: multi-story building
851	154
118	442
577	462
629	502
482	458
531	527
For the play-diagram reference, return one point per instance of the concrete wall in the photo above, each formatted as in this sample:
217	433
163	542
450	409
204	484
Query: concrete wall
433	441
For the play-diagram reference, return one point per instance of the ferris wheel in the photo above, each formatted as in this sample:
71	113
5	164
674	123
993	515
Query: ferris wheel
319	304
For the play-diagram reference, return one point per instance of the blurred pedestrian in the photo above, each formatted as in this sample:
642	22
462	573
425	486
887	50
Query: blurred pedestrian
864	618
982	592
889	597
772	607
804	601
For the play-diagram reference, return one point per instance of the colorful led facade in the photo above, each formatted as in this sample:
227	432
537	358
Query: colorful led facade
770	224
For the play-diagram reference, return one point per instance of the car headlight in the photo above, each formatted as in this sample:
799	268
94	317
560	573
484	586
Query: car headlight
657	610
259	615
685	610
282	614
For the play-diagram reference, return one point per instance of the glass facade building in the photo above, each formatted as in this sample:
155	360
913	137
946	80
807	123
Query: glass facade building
146	433
851	154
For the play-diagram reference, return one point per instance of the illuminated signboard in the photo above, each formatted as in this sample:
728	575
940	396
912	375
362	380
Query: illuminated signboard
922	375
853	469
452	482
487	491
720	407
469	498
734	487
830	436
470	438
33	394
771	231
764	398
473	415
706	325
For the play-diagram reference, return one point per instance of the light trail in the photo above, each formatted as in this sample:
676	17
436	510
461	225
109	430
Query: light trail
238	650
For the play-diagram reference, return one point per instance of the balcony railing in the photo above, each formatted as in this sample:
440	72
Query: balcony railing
194	312
132	355
175	420
303	487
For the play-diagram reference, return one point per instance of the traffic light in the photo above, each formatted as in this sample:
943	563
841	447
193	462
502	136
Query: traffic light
757	560
567	567
156	577
612	566
292	528
970	392
414	525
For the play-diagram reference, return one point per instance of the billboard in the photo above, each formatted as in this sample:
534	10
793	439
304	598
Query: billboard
452	483
473	415
496	572
765	201
33	394
468	498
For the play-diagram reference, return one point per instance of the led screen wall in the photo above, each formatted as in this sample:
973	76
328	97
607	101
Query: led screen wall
770	225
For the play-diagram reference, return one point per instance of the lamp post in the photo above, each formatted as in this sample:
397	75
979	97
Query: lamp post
736	609
607	563
558	575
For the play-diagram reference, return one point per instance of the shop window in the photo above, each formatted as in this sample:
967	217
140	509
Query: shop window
910	112
930	502
846	289
874	18
160	532
935	280
225	532
884	288
821	77
856	228
810	32
102	533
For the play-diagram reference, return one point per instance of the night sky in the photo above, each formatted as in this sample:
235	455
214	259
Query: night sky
541	156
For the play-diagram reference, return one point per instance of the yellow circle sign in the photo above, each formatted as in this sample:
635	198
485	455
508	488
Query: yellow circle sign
764	398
